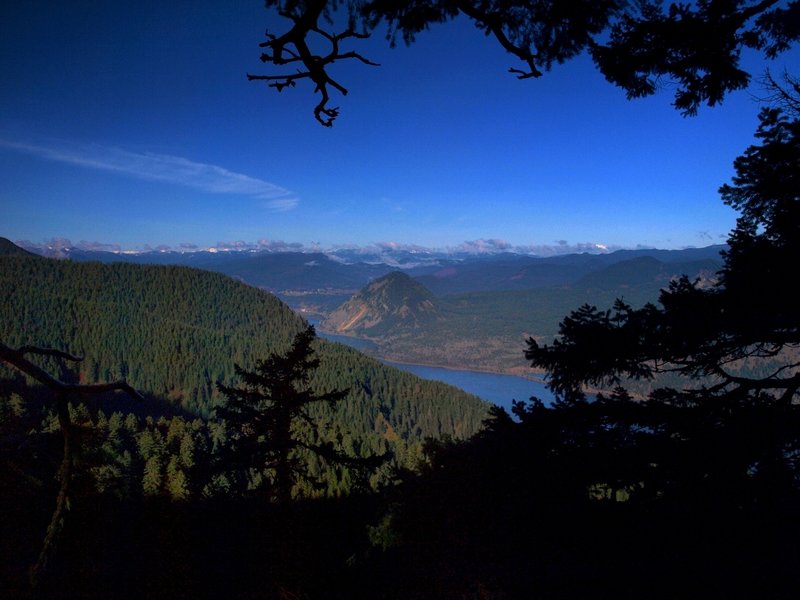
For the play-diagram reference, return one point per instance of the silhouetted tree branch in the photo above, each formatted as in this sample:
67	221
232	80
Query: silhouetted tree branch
292	48
64	392
16	357
785	95
636	45
493	24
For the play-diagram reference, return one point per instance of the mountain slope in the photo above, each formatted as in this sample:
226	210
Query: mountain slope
508	272
344	271
644	270
488	330
174	332
393	302
274	271
9	248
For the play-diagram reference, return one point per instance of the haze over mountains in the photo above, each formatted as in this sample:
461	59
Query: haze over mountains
459	310
486	328
442	272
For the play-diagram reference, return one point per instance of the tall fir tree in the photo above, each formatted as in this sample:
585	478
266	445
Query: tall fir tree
268	418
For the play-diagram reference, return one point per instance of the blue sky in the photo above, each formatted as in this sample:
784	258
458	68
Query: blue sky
132	123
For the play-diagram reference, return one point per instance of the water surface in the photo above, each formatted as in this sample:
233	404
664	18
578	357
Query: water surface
498	389
495	388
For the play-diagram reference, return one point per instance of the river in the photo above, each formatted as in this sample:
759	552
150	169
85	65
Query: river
498	389
493	387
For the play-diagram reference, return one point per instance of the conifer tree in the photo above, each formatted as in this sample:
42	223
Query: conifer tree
268	417
729	429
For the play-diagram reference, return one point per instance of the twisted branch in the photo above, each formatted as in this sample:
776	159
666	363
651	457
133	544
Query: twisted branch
292	47
17	359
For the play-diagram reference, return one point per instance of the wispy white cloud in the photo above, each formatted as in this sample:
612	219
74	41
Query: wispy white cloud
160	167
484	246
390	252
565	247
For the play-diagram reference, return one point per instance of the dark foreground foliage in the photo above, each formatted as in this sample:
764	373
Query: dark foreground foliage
565	503
205	549
691	492
695	46
503	516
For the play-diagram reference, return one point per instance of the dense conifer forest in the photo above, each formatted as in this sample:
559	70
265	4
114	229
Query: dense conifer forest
690	490
175	334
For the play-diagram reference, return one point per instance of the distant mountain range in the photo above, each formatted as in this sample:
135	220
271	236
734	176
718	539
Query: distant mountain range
504	272
458	310
347	271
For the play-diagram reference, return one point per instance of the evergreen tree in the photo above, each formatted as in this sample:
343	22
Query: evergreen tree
703	332
269	419
694	487
728	429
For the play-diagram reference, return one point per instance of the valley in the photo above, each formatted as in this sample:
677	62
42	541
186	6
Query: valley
482	330
149	471
174	333
458	311
368	300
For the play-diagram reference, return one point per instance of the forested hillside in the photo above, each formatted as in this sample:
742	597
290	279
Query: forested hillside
487	330
173	333
9	248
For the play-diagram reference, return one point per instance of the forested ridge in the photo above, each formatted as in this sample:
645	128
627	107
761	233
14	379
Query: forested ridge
173	333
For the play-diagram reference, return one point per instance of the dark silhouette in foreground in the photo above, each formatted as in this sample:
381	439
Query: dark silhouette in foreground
696	46
693	491
64	392
272	429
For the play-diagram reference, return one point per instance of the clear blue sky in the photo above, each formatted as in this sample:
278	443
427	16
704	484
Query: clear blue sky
132	123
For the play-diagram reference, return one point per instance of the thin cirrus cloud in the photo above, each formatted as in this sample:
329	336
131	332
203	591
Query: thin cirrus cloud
161	167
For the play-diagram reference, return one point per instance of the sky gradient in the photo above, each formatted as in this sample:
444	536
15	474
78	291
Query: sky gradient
132	123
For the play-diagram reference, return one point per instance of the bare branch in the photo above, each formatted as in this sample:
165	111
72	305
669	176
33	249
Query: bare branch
294	44
358	56
63	393
772	381
494	25
17	359
784	95
49	352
